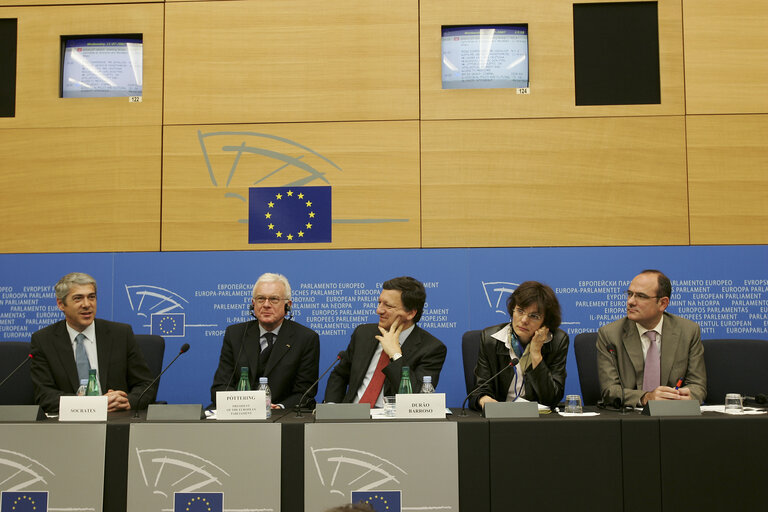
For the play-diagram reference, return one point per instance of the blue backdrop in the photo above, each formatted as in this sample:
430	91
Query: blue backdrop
192	296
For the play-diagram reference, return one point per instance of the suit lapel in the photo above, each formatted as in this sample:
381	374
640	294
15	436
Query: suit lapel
670	341
103	353
634	348
503	358
252	350
66	355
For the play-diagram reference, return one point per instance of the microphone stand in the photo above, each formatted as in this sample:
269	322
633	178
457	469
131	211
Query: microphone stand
301	400
184	348
511	364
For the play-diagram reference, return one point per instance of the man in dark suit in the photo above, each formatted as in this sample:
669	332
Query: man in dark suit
285	352
653	349
371	366
64	352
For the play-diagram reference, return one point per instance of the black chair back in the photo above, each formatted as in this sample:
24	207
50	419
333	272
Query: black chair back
152	348
18	389
735	366
586	360
470	350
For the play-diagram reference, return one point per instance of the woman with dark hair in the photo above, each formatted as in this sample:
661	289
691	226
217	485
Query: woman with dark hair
532	336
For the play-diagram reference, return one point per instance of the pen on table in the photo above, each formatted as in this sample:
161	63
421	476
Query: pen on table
679	383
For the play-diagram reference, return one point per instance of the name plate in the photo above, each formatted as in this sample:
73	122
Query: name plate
83	408
672	408
500	410
241	405
420	405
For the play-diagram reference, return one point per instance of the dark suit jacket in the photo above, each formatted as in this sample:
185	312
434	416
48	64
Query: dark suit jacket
682	356
422	353
121	364
543	384
291	369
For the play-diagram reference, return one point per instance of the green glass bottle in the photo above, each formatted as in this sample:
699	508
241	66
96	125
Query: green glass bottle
245	383
93	385
405	381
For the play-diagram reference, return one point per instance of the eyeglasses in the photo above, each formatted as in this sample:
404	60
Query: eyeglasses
533	316
260	300
640	296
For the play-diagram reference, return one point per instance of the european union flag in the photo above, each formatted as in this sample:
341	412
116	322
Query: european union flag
198	502
168	324
24	501
380	501
289	215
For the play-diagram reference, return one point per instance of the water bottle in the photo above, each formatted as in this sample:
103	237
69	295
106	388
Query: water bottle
426	386
245	382
405	382
93	385
83	387
264	386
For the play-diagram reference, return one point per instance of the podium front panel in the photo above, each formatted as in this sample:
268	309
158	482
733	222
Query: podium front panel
52	466
415	463
237	464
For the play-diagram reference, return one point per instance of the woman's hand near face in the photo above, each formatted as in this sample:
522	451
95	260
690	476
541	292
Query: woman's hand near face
540	337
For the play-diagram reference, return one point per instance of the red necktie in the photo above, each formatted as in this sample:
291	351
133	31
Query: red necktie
377	381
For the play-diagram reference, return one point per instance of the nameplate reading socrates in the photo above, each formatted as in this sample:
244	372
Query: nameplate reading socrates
83	408
241	405
417	405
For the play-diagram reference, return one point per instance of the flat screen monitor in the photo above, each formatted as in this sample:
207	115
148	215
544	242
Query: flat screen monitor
485	56
101	66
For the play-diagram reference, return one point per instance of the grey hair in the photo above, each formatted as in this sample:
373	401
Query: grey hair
273	278
77	278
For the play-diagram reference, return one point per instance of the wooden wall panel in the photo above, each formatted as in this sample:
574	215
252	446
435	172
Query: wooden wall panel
278	61
726	56
84	190
550	26
554	182
372	167
38	104
16	3
727	162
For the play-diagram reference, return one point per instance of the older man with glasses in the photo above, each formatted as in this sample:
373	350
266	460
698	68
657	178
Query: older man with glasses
653	354
272	346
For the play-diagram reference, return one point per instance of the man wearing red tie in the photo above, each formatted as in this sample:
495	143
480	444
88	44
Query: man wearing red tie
658	355
370	367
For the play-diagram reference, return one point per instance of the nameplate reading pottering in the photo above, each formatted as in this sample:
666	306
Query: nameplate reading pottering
241	405
83	408
418	405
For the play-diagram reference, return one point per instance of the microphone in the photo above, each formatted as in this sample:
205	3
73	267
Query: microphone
615	358
301	400
511	364
26	359
183	349
758	398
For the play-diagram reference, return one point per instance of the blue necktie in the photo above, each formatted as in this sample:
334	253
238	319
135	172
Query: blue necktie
81	357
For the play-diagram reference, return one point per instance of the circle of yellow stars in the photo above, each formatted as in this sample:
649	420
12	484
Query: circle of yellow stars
24	498
163	328
382	499
198	498
290	236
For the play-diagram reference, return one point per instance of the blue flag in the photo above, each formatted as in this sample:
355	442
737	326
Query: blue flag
168	324
198	502
289	215
24	501
380	501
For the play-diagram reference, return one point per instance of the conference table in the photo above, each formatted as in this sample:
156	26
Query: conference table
611	461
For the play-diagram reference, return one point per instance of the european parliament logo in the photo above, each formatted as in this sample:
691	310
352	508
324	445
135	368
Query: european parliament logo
289	215
168	324
24	501
198	502
380	501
